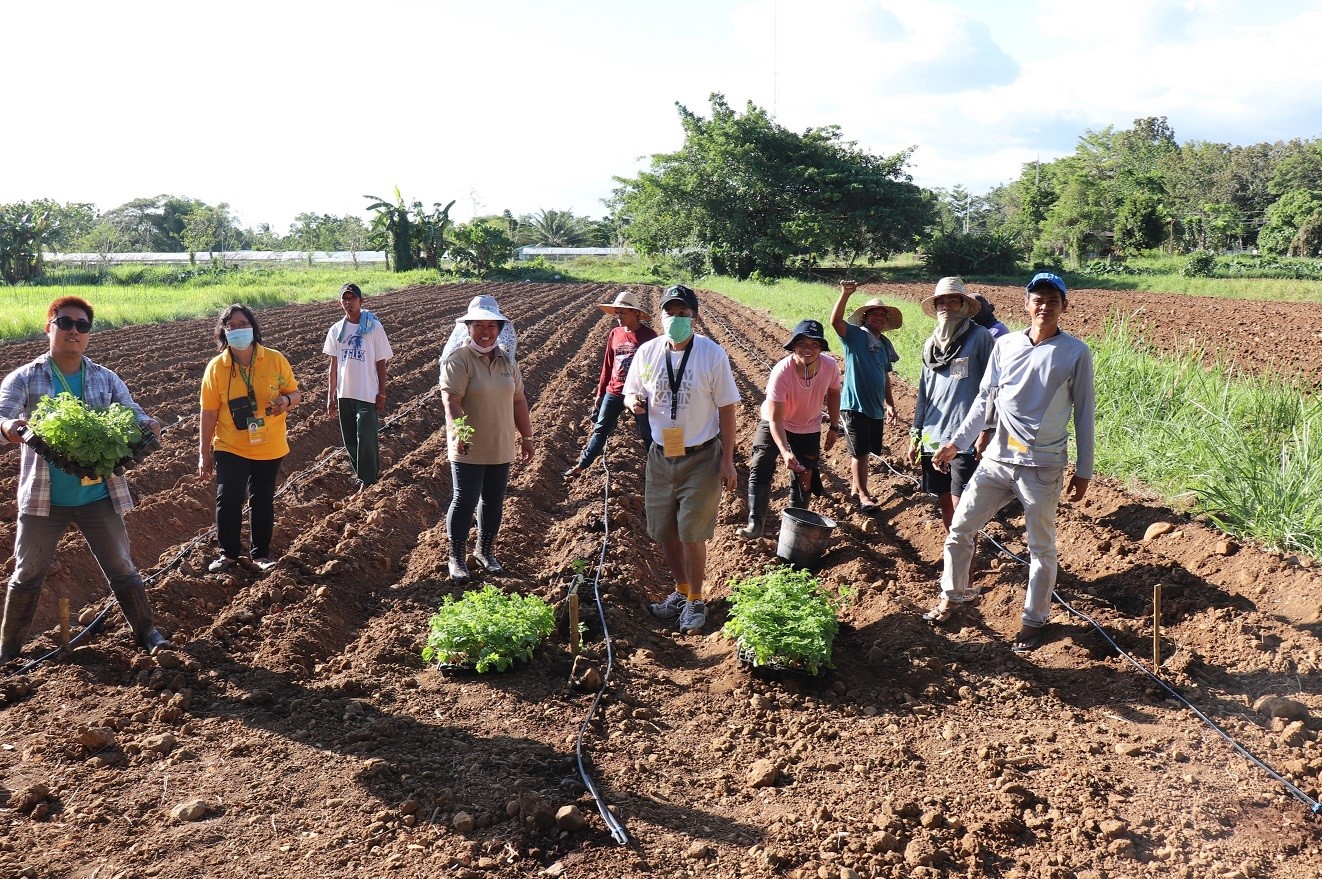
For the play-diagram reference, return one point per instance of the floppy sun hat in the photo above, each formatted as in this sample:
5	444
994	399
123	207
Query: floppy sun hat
952	287
625	299
482	308
894	318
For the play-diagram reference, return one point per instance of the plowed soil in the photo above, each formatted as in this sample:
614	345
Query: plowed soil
296	730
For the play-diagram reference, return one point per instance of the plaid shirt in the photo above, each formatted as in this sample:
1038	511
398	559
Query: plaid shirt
19	394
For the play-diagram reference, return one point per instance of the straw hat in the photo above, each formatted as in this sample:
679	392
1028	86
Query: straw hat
482	308
894	318
952	287
625	299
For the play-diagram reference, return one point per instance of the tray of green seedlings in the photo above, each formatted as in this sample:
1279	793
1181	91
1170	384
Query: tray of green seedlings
783	619
487	630
86	442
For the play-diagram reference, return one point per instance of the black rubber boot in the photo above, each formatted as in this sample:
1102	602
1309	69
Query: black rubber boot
133	601
20	608
486	555
759	498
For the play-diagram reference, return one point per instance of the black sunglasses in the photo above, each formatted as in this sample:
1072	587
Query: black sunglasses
65	322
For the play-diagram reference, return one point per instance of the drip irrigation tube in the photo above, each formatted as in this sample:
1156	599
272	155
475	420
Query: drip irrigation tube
1313	805
618	833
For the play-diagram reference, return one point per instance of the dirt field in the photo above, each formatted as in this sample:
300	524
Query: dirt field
297	731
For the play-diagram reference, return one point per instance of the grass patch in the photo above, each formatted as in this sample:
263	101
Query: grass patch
126	295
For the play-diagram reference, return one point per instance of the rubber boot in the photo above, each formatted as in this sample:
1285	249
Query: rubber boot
20	608
759	498
137	610
486	555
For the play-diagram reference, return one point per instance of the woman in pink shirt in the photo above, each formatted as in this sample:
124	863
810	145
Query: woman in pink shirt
791	425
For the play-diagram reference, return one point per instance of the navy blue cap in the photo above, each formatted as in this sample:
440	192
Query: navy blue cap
681	293
1050	280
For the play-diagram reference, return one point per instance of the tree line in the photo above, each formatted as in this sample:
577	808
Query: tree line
745	196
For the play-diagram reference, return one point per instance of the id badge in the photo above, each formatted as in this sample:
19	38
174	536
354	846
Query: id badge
1015	445
959	368
256	431
88	480
672	441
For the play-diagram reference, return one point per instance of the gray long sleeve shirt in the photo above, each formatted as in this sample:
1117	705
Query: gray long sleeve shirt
1029	393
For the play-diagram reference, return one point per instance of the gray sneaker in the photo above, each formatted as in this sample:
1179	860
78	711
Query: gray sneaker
670	608
693	617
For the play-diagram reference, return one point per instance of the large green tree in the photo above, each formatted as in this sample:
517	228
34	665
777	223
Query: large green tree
757	197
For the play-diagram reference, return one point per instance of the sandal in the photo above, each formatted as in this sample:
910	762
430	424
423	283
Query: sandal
1029	639
944	610
868	506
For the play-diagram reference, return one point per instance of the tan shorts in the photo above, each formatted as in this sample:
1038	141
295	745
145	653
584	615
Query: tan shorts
682	495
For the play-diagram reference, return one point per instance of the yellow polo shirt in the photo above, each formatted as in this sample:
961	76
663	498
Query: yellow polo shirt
271	376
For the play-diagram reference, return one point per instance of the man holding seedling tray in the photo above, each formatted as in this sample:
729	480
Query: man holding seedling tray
50	500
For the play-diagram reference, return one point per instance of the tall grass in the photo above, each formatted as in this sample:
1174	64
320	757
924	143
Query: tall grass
143	295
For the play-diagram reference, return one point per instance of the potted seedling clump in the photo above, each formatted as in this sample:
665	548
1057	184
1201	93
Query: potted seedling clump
463	434
783	619
487	629
92	443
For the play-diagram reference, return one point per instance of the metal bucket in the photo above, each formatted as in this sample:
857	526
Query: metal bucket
803	537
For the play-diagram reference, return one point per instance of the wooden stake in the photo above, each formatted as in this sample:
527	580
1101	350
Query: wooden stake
573	624
1156	627
64	623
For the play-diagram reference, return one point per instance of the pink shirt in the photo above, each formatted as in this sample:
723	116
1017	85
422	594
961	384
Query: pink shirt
803	401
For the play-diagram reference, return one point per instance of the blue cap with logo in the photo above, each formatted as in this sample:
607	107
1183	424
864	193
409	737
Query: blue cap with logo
1049	280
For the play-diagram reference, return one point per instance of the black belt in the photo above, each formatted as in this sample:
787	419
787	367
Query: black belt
689	450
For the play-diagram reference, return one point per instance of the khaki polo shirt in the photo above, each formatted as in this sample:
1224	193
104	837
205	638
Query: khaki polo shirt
488	388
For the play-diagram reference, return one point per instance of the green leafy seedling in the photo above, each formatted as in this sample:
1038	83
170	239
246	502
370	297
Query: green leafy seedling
487	629
463	431
784	617
94	438
580	566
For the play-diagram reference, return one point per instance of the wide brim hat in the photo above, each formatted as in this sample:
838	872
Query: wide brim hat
808	329
482	308
952	287
894	317
625	299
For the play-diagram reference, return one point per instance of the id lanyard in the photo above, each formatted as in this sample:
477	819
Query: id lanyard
246	376
82	380
677	380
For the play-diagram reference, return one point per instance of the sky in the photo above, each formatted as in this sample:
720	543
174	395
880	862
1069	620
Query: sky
286	106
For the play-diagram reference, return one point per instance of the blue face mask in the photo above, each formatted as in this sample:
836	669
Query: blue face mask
239	339
677	329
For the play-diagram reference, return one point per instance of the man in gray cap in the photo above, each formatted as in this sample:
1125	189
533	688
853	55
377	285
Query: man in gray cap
791	425
1036	382
683	382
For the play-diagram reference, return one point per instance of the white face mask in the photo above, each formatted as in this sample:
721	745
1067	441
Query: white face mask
472	343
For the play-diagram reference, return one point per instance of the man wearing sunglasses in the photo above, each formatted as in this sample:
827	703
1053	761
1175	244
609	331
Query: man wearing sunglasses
50	500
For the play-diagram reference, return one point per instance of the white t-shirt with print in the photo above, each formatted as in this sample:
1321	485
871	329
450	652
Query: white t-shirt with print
357	357
707	385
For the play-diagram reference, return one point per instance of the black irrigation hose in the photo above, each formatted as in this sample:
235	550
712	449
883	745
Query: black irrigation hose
1314	806
618	833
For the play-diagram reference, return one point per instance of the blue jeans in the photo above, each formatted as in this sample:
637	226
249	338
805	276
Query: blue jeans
358	428
103	529
608	416
478	488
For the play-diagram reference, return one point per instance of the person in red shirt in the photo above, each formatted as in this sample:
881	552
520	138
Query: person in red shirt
633	330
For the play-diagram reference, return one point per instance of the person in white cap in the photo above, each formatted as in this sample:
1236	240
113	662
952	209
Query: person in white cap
1036	383
955	357
633	329
484	408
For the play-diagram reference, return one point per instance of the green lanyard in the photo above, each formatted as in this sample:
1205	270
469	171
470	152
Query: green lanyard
246	375
82	380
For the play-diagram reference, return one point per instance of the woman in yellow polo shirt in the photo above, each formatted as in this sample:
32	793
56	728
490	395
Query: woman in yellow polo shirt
246	391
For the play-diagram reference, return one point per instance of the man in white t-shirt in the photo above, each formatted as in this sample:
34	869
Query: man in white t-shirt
684	383
358	351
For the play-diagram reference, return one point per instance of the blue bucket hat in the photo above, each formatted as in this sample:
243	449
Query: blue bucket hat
808	329
1049	280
